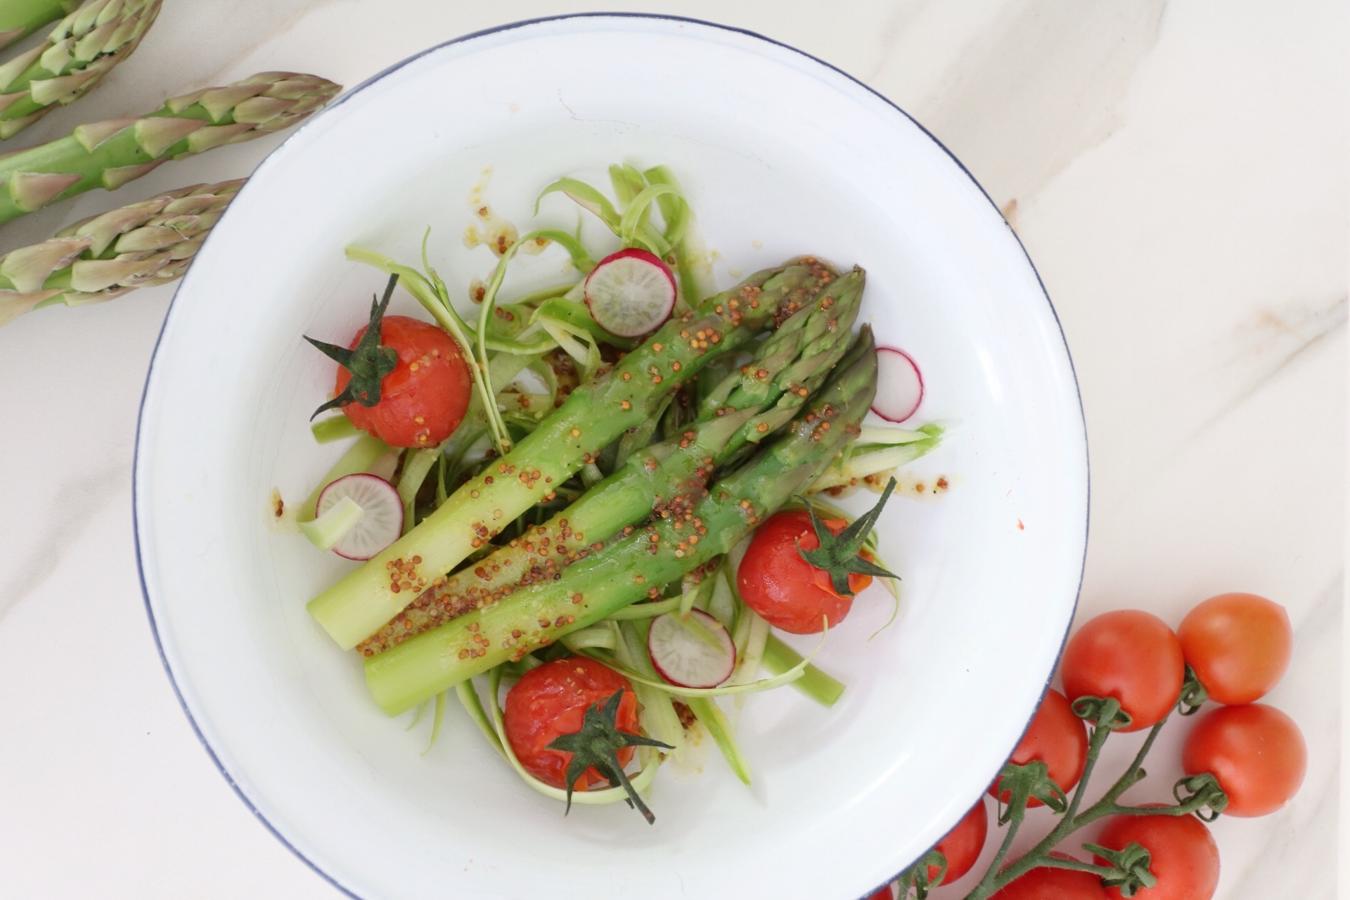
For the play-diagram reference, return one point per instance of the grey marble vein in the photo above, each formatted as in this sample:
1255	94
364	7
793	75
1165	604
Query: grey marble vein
1323	326
76	503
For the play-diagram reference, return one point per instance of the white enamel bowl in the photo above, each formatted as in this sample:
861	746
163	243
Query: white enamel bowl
780	154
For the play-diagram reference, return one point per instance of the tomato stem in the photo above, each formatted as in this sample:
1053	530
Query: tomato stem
1107	712
1193	694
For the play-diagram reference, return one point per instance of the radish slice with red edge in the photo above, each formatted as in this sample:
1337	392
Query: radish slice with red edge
899	385
381	520
692	651
630	293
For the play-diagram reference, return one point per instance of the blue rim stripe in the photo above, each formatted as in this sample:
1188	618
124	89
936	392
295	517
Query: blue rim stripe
140	417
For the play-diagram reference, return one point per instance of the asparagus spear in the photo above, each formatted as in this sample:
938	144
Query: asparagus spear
76	55
638	565
145	243
744	408
20	18
593	415
111	153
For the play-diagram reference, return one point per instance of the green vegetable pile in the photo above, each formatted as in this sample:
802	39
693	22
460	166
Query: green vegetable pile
597	482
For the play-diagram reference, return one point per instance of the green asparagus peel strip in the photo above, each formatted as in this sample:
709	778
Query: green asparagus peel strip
468	698
730	688
867	463
79	51
109	154
417	465
437	718
656	709
20	18
744	408
679	231
333	428
594	414
711	717
820	686
96	259
634	567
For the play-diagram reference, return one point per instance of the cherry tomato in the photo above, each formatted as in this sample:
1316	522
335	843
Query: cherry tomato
1182	855
785	589
551	700
962	845
1256	752
1130	655
1053	884
1057	738
1238	645
882	893
424	399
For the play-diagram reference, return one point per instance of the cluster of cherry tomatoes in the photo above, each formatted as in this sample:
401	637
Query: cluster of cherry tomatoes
1236	647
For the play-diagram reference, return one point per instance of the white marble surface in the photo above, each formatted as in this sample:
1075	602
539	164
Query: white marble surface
1178	172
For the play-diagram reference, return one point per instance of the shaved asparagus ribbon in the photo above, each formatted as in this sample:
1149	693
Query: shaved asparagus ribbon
749	687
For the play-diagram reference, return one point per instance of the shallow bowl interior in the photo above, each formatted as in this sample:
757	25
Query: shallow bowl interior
780	155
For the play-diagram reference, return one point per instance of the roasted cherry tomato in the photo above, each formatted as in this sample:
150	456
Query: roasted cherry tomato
1256	752
1182	855
551	700
785	589
1053	884
962	845
1238	645
1130	655
1057	738
426	395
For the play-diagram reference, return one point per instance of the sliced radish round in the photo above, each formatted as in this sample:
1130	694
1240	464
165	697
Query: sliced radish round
691	651
630	293
381	520
899	385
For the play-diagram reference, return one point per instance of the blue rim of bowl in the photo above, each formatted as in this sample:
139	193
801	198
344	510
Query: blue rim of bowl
510	26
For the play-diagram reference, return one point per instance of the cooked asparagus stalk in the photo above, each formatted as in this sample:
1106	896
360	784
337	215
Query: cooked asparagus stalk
746	407
78	52
145	243
109	154
570	437
636	566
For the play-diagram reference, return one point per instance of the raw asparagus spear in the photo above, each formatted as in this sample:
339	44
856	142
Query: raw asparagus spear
20	18
747	406
636	566
593	415
75	56
145	243
109	154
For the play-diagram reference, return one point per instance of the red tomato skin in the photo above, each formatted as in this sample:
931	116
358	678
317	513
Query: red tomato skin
1182	855
1057	738
1256	752
436	391
882	893
1053	884
551	700
1238	645
1130	655
785	589
962	845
